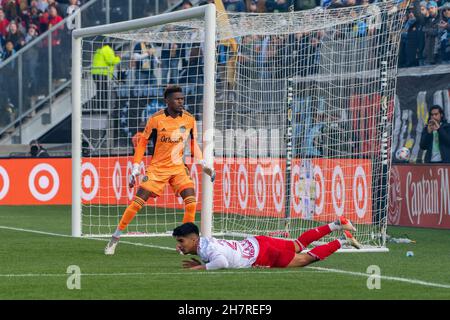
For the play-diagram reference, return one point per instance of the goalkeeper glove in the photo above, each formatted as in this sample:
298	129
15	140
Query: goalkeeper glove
209	171
134	175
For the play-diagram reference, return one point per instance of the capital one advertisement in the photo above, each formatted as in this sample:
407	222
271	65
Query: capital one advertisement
321	189
420	196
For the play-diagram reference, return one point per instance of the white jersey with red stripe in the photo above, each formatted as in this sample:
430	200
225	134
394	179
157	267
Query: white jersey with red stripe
220	253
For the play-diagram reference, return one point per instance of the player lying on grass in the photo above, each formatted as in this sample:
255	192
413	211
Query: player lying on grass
169	129
260	251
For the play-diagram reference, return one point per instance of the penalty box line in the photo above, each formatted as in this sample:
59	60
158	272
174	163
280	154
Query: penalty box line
351	273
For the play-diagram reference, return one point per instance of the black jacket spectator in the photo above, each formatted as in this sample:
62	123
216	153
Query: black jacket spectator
443	134
37	151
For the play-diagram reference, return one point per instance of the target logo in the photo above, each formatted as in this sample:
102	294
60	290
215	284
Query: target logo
89	180
194	176
320	190
5	177
226	185
117	180
43	182
278	188
296	189
360	192
260	188
338	190
242	185
395	197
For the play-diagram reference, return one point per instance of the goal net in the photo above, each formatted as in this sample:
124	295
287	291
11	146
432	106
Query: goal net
302	108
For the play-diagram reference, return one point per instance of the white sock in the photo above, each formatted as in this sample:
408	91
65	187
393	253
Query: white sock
117	233
334	226
342	241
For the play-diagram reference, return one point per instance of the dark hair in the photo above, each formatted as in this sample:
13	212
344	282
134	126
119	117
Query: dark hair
171	89
437	107
185	229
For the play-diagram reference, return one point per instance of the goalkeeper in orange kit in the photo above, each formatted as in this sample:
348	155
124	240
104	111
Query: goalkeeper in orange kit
169	129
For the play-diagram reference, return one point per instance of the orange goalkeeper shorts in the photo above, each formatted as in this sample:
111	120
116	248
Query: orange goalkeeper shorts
155	179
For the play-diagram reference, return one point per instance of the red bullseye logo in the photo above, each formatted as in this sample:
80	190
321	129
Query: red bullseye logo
395	197
278	188
242	185
260	188
226	186
89	181
117	180
296	189
319	189
43	182
4	186
338	190
360	192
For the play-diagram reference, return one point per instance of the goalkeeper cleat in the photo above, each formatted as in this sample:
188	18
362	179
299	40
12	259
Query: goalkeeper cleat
111	246
352	240
346	224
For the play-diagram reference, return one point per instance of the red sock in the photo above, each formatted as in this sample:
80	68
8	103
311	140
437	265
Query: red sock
312	235
323	251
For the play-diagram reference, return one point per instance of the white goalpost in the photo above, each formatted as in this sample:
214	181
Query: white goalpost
294	110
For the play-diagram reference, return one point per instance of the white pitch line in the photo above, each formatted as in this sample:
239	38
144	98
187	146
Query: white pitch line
98	239
185	273
360	274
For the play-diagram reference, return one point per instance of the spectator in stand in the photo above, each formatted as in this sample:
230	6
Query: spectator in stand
9	50
10	8
31	34
429	19
444	32
31	17
74	5
186	5
42	5
277	5
58	59
421	14
253	7
3	23
435	137
60	9
170	59
15	36
146	63
411	41
37	150
431	32
234	5
103	64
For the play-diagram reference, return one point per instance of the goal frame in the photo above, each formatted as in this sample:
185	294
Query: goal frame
206	12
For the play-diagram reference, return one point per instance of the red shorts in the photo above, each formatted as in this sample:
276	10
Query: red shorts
274	253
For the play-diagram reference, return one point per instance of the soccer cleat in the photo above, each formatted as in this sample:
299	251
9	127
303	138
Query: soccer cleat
352	240
111	246
346	224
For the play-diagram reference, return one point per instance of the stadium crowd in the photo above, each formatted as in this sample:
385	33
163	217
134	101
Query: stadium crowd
424	41
425	36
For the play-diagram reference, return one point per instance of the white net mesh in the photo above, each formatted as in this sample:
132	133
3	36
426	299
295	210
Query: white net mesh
304	102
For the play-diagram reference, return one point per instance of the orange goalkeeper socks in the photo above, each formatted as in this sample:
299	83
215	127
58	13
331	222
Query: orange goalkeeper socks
130	212
190	205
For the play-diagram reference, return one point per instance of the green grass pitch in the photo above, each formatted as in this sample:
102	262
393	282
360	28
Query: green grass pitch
34	266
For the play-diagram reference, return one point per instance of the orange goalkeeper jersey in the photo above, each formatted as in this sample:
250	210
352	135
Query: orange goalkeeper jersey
169	136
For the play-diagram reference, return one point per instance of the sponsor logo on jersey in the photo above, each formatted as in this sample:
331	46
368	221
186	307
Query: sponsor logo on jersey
169	140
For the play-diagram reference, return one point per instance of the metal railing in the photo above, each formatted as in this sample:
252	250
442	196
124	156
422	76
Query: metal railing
39	72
